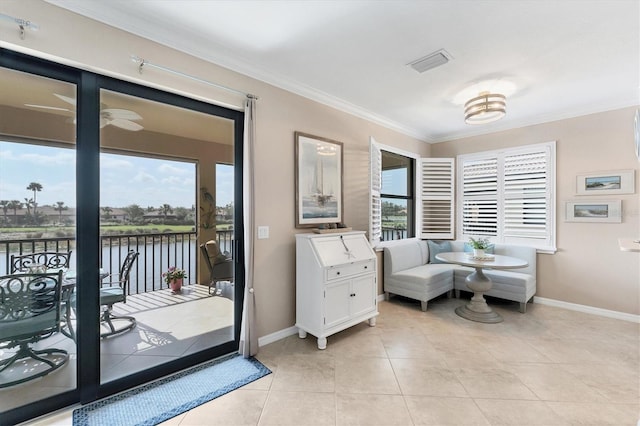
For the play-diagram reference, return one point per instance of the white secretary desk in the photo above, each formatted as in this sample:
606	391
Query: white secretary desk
336	283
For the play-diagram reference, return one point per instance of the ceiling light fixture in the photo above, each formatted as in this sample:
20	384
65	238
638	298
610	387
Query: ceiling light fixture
485	108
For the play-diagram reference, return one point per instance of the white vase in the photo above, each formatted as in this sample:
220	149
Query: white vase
478	252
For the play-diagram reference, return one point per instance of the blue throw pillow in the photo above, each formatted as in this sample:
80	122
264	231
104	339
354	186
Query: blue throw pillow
436	247
488	250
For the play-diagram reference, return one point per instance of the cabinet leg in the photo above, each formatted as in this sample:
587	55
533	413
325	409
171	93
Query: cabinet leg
301	333
372	322
322	343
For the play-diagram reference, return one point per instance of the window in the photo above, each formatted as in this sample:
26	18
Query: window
396	196
410	196
508	195
393	204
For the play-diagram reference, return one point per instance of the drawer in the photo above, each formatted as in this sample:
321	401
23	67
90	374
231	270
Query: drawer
341	271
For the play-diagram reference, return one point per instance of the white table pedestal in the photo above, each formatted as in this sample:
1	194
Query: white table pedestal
477	309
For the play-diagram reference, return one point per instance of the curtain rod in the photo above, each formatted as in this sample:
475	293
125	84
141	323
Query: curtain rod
144	62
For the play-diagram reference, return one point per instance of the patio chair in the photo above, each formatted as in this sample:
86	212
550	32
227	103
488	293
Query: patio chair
115	291
220	265
50	260
29	313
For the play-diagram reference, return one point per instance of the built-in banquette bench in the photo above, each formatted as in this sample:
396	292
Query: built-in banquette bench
411	270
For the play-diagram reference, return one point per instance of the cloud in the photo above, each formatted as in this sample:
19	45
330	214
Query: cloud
174	169
144	177
114	162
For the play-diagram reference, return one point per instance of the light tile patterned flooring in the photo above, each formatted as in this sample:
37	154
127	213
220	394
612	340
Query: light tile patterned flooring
549	366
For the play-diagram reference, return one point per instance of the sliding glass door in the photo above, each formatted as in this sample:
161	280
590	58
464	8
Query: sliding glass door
122	180
37	234
158	204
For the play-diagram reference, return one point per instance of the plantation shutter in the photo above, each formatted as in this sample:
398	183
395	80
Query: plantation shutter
480	197
437	198
375	172
508	196
527	195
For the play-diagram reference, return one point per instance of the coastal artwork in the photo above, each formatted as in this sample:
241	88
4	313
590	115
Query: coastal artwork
594	211
318	181
609	182
591	210
602	183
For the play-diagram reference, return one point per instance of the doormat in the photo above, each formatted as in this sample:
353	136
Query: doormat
166	398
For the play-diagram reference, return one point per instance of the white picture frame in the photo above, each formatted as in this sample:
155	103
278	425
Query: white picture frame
318	182
609	211
606	182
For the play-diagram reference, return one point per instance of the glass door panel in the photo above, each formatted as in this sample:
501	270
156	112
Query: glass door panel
158	202
37	235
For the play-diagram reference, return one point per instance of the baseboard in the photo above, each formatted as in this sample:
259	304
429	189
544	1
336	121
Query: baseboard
274	337
587	309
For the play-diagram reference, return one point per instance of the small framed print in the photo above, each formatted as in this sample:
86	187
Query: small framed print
594	211
610	182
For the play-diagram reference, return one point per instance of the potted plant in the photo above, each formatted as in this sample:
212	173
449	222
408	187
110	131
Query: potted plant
479	246
174	277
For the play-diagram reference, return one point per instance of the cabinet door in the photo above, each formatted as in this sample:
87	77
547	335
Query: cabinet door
363	295
336	303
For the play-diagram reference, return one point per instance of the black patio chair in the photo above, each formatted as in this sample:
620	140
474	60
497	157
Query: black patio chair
219	264
50	260
115	291
30	312
47	259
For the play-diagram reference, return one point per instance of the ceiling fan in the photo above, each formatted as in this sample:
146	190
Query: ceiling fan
122	118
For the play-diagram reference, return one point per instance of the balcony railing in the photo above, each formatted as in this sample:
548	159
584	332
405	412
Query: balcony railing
158	252
389	234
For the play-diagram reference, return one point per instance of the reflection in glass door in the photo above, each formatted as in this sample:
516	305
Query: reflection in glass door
37	235
158	206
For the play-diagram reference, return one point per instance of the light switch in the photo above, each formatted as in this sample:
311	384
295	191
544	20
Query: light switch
263	232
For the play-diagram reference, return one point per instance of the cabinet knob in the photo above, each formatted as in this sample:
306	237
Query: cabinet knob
338	273
365	267
353	295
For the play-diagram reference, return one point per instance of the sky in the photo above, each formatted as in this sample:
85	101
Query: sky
124	180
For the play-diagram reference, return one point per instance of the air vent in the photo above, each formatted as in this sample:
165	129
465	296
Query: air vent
433	60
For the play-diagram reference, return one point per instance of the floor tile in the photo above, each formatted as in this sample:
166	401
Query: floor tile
299	408
371	410
365	375
519	413
430	410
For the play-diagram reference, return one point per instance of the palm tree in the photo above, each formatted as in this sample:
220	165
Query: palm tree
165	209
15	205
35	187
60	207
28	202
106	212
5	207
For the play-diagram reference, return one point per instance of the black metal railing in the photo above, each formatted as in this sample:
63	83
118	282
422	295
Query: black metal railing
389	234
158	252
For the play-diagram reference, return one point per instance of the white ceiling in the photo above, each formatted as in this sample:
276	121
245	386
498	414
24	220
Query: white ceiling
565	57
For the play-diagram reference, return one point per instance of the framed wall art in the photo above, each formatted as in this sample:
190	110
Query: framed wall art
604	183
594	211
318	181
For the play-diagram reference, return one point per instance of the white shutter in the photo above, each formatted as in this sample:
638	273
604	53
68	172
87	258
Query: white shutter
526	186
509	195
479	207
375	213
436	198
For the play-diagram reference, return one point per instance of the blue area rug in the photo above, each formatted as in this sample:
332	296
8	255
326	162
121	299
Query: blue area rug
159	401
